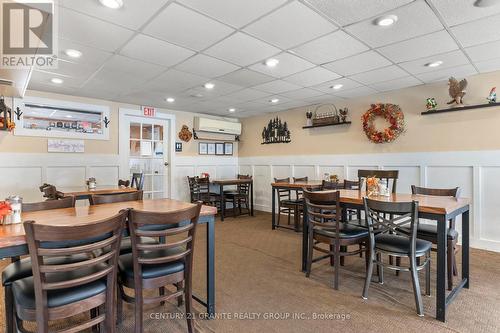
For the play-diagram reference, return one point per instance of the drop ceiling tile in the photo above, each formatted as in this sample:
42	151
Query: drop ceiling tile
356	92
247	95
137	68
248	106
164	54
301	93
242	50
346	12
400	83
358	63
460	11
206	66
246	78
235	12
111	82
70	28
326	87
292	105
484	51
449	59
277	86
458	72
44	77
175	81
76	71
90	55
182	26
290	25
312	77
414	20
288	64
488	65
221	88
33	85
418	47
267	100
380	75
132	15
478	32
334	46
323	99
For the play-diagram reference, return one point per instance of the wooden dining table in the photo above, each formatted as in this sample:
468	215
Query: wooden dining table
83	192
228	182
13	240
435	208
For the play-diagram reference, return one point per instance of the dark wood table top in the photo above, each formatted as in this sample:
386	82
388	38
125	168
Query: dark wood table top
232	181
83	190
298	184
13	234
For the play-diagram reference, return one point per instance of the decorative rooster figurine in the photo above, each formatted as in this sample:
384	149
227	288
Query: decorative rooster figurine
492	98
457	90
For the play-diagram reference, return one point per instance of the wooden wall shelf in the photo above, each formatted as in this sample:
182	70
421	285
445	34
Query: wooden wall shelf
461	108
324	125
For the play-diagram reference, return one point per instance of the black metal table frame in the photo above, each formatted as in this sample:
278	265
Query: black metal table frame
442	300
15	251
223	204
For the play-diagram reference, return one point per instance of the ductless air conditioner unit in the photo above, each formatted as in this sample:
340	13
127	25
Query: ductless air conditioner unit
216	129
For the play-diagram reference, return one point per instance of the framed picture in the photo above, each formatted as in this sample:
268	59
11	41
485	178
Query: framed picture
202	148
219	148
211	148
228	148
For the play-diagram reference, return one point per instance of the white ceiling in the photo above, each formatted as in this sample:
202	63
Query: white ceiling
142	54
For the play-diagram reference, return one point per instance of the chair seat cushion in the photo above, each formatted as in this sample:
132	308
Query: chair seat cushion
126	244
359	223
24	289
126	264
348	231
430	231
292	202
400	244
22	268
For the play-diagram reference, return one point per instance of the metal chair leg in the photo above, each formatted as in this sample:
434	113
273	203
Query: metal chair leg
380	269
337	266
450	262
9	309
416	286
369	272
309	253
428	275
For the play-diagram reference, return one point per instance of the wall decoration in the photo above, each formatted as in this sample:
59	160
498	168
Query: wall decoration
492	98
65	146
185	134
106	122
326	117
276	132
219	148
211	148
431	104
457	90
343	114
6	123
228	148
178	147
202	148
309	116
392	113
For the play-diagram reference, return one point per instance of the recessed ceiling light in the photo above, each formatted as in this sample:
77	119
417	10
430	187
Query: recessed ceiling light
274	100
69	116
337	86
113	4
231	109
170	99
434	64
56	80
209	85
386	20
73	53
486	3
272	62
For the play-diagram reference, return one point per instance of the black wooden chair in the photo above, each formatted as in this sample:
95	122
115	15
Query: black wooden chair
204	194
125	183
287	205
137	180
193	189
58	289
65	202
390	176
325	227
386	239
50	192
99	199
239	197
169	262
327	185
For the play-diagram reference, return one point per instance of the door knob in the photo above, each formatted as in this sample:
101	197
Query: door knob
166	163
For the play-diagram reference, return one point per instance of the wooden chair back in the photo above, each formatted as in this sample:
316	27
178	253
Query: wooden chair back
125	183
298	193
99	199
102	264
283	194
387	175
351	185
50	192
193	188
327	185
441	192
323	211
244	188
66	202
137	180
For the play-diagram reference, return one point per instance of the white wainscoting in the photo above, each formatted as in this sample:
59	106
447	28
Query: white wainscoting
476	172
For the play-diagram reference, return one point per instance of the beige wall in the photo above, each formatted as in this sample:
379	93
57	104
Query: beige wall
25	144
468	130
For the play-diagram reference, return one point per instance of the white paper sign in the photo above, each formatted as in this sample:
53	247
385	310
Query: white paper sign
65	146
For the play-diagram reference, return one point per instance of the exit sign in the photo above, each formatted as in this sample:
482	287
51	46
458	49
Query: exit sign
149	111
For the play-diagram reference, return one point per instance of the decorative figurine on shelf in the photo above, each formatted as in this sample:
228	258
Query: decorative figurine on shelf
431	104
343	114
276	132
185	134
334	178
457	90
309	116
492	98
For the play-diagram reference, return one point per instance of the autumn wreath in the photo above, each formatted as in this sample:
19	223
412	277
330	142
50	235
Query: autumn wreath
394	116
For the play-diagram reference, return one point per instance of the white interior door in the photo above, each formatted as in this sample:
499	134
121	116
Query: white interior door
145	148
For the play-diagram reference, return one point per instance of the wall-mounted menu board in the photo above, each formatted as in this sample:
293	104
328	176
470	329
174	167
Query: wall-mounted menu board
62	119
